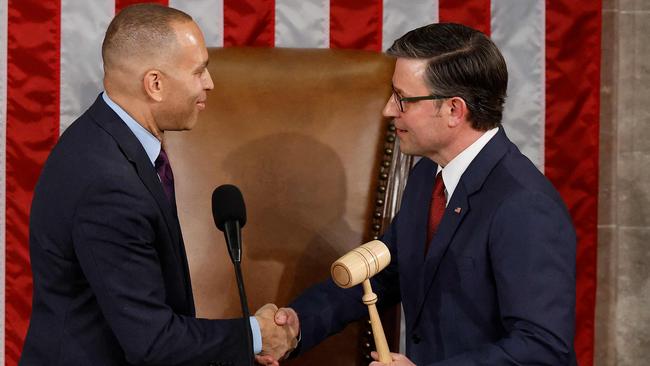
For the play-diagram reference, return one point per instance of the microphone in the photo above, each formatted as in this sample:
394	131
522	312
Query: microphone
229	213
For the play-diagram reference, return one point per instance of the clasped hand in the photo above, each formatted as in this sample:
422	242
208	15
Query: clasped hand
280	328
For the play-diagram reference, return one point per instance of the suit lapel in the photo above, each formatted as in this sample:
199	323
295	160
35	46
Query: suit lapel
422	221
132	149
458	208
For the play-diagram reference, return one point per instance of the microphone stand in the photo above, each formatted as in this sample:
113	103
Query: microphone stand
232	232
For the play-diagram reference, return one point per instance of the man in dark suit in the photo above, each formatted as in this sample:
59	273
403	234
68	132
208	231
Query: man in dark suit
483	248
111	278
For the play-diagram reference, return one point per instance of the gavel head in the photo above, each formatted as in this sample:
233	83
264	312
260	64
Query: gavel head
360	264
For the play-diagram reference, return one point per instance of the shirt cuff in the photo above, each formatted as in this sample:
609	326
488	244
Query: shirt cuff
257	335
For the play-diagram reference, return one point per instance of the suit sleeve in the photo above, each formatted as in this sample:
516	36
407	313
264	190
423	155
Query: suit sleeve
532	247
325	309
114	236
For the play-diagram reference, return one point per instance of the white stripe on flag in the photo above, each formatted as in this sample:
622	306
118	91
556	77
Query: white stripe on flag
83	24
3	160
208	14
402	16
518	28
302	23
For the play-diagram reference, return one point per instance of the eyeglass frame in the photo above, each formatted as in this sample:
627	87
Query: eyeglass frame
399	99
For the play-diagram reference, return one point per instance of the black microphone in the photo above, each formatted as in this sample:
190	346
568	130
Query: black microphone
229	215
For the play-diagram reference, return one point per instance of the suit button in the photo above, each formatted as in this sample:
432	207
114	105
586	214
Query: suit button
416	338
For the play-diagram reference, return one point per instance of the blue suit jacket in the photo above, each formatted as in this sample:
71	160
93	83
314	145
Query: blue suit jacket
111	281
497	286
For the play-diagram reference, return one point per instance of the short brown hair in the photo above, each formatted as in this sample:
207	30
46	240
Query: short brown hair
140	30
462	62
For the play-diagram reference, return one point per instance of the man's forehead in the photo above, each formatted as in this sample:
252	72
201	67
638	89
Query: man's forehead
190	43
414	66
188	33
409	71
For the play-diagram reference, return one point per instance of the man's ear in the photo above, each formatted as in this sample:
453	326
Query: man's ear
153	84
458	111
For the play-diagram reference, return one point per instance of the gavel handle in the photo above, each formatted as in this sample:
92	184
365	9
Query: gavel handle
370	299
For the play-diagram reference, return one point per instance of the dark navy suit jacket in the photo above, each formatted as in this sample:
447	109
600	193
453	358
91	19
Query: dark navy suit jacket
497	286
111	280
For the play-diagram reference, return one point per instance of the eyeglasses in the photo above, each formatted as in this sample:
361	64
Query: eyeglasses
399	100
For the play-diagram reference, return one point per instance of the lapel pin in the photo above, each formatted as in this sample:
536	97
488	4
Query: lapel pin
457	210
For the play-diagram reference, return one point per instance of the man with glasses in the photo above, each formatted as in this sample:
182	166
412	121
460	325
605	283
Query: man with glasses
483	248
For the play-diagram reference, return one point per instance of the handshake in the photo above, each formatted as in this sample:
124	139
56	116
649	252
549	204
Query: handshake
280	329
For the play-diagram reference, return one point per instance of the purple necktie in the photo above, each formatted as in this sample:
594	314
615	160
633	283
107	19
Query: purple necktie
164	170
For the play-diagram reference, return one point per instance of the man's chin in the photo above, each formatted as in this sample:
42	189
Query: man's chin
189	123
406	151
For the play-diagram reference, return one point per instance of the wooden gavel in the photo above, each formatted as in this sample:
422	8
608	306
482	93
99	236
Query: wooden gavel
358	266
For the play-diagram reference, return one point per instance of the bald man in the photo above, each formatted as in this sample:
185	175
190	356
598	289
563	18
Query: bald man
111	279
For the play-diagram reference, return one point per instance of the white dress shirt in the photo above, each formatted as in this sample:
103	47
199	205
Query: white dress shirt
454	170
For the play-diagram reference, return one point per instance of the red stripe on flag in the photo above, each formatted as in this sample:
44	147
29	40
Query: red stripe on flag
249	23
121	4
472	13
571	148
33	43
356	24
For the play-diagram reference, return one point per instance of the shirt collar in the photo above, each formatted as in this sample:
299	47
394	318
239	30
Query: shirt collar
149	142
452	173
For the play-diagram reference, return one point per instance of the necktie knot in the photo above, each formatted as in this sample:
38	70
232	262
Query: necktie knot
164	170
436	207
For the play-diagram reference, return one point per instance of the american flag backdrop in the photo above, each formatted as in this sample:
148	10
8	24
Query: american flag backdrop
50	72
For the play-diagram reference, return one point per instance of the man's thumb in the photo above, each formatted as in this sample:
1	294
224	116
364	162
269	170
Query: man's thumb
281	317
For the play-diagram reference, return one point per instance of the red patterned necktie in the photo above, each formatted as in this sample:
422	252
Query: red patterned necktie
436	208
164	170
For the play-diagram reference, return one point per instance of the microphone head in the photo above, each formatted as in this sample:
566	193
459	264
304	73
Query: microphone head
228	205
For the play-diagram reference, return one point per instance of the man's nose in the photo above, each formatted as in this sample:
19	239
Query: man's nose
390	109
208	84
